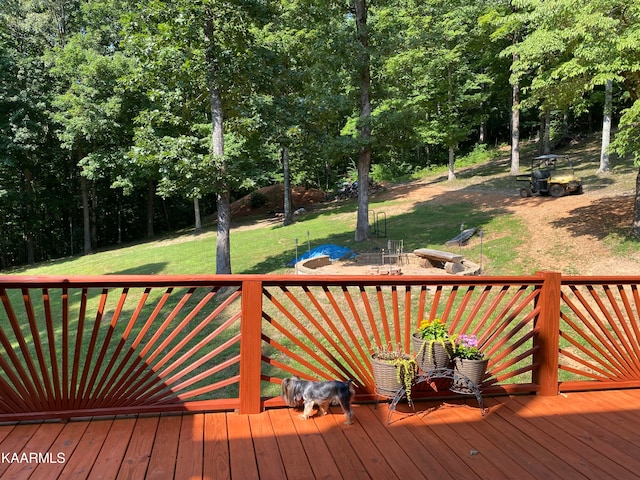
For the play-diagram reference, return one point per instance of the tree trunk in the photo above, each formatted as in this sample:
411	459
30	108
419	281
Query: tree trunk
94	216
547	132
635	229
119	240
606	128
223	204
288	214
86	218
515	127
452	160
196	213
364	157
223	245
151	191
29	227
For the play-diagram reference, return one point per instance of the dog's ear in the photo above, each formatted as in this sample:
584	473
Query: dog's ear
285	385
288	391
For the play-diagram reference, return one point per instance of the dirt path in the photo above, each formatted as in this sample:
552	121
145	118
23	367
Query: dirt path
565	234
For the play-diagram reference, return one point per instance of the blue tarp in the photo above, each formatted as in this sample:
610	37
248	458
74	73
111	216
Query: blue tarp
335	252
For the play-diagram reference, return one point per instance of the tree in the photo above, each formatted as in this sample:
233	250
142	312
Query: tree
93	115
205	50
606	128
573	50
364	155
36	181
507	25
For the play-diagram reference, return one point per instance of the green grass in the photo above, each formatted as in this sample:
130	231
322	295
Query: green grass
263	248
267	249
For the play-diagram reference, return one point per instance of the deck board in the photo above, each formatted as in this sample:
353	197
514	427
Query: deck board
317	452
345	457
268	456
136	458
190	448
86	453
531	450
593	437
65	444
165	448
573	436
397	455
43	438
113	450
216	448
589	462
488	443
240	442
292	452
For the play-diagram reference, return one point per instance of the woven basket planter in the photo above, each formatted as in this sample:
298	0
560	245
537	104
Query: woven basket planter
431	355
474	370
386	377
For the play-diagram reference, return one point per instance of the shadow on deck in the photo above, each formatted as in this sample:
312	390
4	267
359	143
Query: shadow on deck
575	435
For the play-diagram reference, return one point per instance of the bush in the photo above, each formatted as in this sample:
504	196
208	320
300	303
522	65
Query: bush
258	199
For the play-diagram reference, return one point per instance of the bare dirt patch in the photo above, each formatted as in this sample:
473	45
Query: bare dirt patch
274	197
564	234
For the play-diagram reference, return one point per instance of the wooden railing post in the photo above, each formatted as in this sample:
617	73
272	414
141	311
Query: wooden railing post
547	340
251	346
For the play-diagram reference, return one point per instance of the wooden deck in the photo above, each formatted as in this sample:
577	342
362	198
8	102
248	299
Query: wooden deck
577	435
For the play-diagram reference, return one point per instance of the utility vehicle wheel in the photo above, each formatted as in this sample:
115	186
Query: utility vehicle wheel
525	192
556	190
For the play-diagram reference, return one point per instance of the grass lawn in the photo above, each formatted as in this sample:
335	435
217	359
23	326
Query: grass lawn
263	247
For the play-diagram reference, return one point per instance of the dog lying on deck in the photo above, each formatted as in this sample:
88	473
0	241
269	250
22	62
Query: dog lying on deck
297	392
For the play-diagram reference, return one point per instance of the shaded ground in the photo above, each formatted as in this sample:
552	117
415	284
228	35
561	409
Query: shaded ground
565	234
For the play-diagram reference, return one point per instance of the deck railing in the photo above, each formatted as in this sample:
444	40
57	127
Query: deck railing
107	345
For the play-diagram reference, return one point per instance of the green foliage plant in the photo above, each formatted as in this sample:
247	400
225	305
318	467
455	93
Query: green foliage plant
258	199
406	367
434	331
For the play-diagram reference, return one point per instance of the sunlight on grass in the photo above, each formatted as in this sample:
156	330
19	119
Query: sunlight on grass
264	249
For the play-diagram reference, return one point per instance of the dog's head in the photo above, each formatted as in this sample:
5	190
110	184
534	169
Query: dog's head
292	391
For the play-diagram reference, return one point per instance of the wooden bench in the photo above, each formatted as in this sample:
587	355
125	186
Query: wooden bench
450	262
437	255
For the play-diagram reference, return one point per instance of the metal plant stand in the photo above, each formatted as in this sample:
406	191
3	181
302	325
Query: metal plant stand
464	387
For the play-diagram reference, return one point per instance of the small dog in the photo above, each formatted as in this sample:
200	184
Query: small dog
297	392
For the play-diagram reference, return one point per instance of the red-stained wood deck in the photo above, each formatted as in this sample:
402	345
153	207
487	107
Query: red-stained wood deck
577	435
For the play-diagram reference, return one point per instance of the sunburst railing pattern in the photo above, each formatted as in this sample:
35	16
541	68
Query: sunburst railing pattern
132	344
599	333
330	330
81	348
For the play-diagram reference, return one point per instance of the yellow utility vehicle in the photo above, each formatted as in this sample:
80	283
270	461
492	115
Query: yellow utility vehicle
550	175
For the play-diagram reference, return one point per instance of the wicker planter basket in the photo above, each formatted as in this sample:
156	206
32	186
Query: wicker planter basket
474	370
385	376
431	355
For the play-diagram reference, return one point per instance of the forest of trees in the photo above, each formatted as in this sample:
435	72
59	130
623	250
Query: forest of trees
120	119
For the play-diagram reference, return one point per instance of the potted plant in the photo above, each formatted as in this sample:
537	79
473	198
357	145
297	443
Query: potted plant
392	370
469	364
432	345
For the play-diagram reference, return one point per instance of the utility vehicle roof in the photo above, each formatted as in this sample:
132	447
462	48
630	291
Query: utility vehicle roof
550	156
